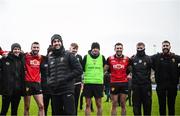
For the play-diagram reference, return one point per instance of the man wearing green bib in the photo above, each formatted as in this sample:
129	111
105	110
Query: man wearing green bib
93	66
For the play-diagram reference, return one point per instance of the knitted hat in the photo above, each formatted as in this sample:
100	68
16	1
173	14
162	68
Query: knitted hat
56	36
15	45
95	45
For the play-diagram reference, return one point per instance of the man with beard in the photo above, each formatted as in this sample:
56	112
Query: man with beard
118	65
63	68
165	65
141	81
93	66
33	79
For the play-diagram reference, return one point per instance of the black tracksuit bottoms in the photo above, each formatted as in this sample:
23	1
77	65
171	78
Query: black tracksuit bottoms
63	104
168	94
14	100
46	100
142	95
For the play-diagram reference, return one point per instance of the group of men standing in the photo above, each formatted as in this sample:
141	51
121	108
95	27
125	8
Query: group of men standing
58	75
27	74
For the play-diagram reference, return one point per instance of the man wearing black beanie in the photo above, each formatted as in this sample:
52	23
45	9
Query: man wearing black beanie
63	69
15	45
95	45
56	36
12	80
93	66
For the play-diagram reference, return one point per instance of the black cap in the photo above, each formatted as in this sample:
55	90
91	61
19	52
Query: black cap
56	36
15	45
95	45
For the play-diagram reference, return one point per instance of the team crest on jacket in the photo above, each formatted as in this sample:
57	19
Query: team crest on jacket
78	59
178	64
45	65
145	63
61	59
140	61
27	89
173	60
52	62
7	63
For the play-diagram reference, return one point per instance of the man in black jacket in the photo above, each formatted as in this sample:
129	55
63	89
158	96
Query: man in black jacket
63	69
12	70
78	81
166	66
141	81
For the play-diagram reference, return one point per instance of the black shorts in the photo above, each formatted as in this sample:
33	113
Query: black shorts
32	88
118	88
91	90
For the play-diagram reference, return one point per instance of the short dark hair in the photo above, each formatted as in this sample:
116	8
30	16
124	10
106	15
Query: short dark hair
117	44
75	45
140	44
35	43
166	41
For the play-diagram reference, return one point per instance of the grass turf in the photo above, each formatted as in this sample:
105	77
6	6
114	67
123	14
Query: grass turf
106	107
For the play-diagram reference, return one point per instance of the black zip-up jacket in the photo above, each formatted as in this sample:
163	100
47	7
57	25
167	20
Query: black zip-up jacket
12	71
63	68
166	69
141	69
